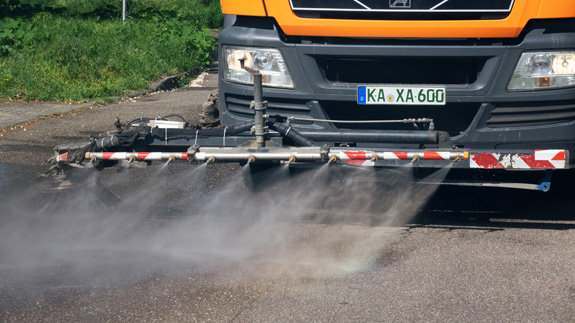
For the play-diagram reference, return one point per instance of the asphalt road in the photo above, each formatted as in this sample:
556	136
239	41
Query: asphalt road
190	244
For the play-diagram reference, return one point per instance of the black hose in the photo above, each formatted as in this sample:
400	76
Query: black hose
107	142
290	133
174	115
172	134
283	129
129	124
120	139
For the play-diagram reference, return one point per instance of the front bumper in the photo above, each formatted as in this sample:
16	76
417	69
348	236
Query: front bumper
480	113
536	160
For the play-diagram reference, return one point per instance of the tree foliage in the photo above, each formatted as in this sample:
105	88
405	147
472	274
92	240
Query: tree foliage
80	49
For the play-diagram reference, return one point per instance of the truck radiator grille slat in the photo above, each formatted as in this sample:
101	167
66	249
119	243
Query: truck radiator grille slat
453	118
240	106
369	15
536	115
453	71
402	9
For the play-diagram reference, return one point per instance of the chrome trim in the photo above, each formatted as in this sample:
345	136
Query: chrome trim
393	4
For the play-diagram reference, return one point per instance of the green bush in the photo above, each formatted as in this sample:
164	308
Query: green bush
84	53
15	35
206	13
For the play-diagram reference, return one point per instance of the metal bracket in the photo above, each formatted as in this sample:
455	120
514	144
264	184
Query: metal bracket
545	184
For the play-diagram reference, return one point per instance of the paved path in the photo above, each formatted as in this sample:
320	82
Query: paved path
12	113
255	259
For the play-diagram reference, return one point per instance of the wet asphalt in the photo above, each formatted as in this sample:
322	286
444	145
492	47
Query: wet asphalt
509	258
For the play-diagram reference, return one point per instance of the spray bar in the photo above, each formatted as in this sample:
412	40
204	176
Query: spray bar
307	154
252	157
142	156
538	159
242	154
414	156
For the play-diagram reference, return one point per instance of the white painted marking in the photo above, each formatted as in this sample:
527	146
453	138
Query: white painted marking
438	5
361	4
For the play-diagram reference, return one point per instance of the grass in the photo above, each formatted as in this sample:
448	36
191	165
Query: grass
78	55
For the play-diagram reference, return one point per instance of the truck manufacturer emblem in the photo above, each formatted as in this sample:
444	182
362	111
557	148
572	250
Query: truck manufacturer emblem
400	3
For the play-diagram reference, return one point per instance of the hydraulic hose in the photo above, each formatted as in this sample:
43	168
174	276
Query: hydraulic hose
172	134
290	133
108	142
129	124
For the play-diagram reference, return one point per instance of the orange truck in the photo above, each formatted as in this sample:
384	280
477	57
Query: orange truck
422	80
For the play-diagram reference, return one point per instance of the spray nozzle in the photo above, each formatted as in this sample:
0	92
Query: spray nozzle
324	151
171	159
132	159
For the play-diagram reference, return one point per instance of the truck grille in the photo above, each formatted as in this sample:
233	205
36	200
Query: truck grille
403	9
453	118
240	106
535	114
402	70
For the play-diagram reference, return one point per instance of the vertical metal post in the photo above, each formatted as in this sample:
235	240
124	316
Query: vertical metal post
260	129
123	10
259	108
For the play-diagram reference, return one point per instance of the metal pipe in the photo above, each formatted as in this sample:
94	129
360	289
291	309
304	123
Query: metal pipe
398	155
409	120
425	155
259	106
212	154
143	156
372	136
253	156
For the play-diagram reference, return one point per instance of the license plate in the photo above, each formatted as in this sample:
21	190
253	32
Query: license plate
401	95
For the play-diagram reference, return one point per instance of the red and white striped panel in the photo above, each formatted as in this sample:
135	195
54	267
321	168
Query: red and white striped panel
425	155
357	158
62	157
541	159
148	156
363	158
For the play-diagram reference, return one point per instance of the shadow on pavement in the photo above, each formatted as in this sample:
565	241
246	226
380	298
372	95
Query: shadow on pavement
496	208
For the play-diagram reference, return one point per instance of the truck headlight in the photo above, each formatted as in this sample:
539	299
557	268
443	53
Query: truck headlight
268	61
544	70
